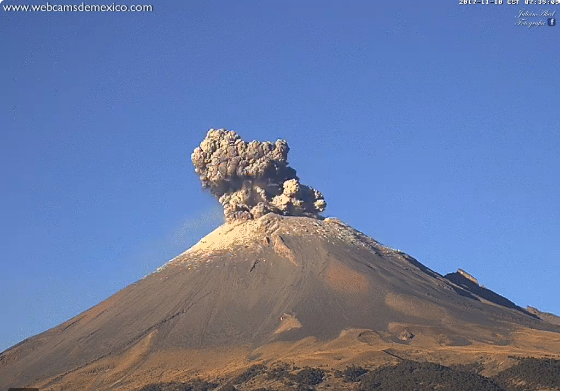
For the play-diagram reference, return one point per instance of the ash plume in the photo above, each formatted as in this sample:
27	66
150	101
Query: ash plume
253	179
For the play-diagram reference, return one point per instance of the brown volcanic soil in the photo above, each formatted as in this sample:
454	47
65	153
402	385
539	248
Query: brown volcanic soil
290	289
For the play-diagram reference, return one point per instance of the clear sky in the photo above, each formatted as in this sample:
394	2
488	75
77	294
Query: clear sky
431	126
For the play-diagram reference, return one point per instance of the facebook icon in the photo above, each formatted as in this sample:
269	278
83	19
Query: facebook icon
551	22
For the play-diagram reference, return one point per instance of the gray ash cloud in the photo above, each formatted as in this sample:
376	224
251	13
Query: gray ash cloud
253	179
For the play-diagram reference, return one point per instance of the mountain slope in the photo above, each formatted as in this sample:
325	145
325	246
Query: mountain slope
291	288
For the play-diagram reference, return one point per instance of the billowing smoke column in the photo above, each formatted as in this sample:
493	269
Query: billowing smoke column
253	179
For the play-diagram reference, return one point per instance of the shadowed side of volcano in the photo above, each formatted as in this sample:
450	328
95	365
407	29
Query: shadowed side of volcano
463	279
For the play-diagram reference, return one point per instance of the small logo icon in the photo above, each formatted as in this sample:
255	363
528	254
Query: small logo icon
551	22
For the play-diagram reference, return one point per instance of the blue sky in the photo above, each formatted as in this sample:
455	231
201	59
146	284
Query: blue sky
432	128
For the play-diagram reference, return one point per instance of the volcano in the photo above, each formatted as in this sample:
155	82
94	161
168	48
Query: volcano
278	288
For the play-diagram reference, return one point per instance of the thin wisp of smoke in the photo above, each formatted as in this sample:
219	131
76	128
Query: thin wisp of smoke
253	179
